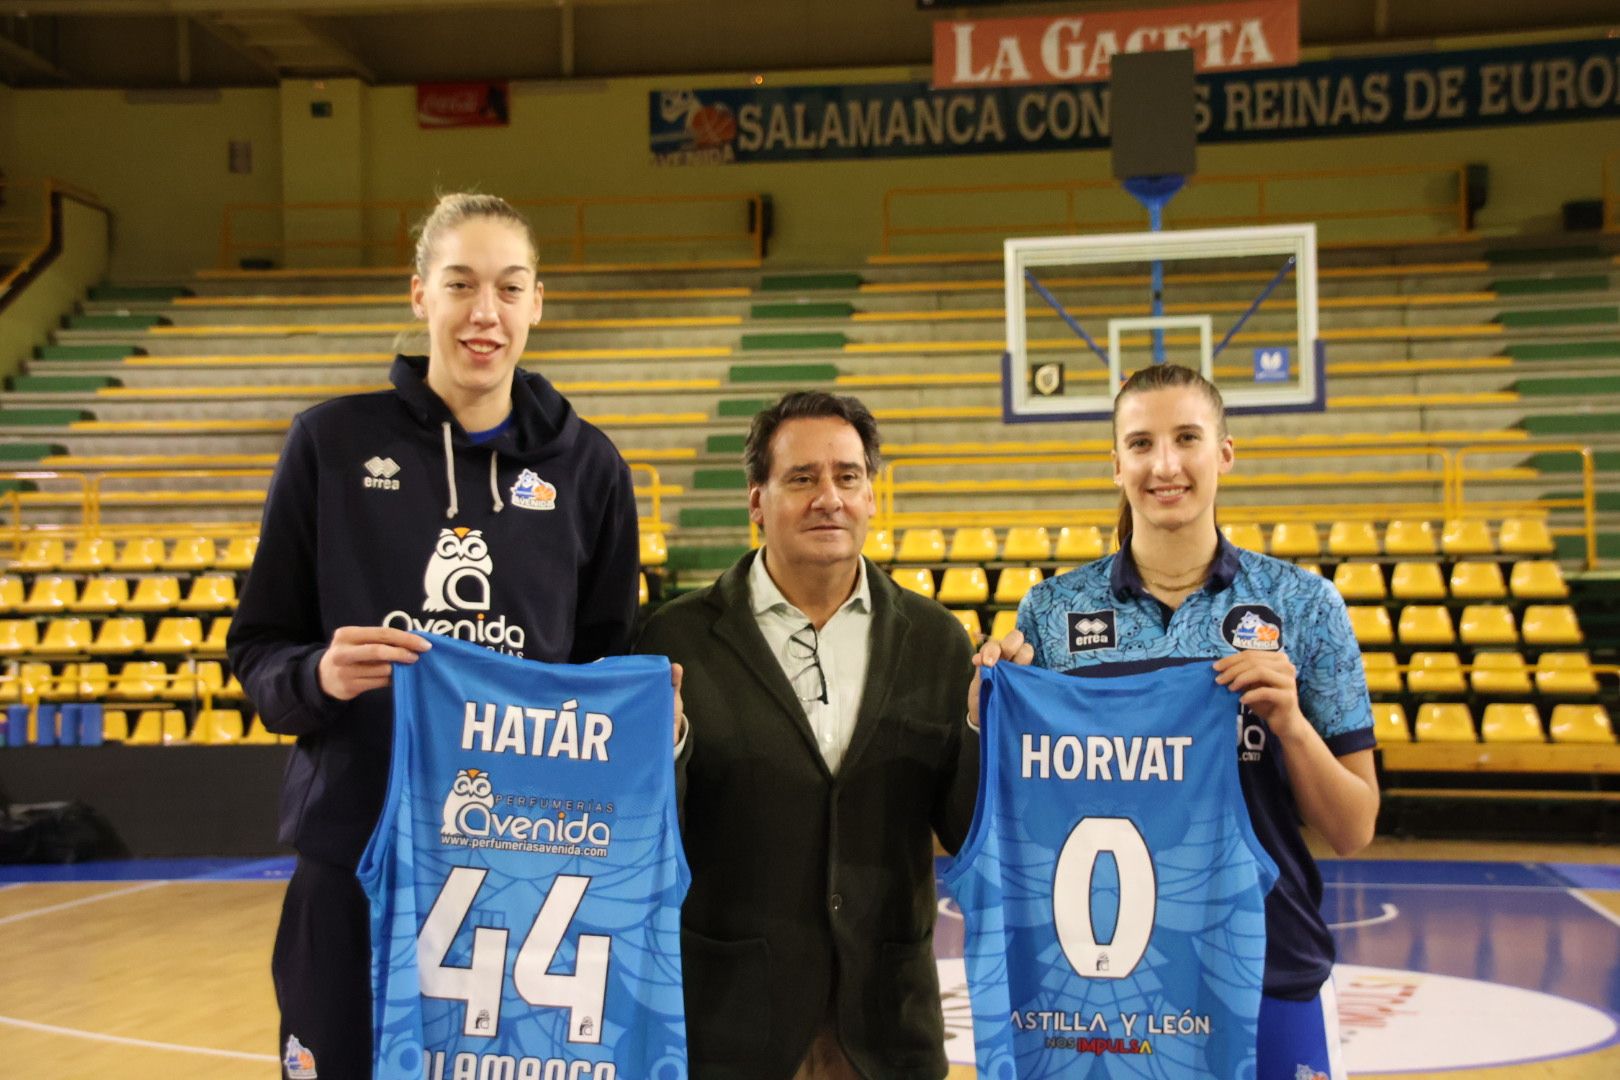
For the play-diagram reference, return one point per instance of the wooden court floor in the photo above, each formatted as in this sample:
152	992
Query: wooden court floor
147	979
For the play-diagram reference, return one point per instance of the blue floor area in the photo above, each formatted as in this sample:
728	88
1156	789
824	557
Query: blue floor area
271	869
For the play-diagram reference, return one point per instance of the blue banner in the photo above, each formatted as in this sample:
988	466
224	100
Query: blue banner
1531	84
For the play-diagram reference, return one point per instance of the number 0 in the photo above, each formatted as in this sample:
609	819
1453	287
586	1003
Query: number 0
1071	897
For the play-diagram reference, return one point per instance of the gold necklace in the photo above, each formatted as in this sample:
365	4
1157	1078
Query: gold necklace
1195	579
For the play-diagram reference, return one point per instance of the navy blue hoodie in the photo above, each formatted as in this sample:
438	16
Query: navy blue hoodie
381	512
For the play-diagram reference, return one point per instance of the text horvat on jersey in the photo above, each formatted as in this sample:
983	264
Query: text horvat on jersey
518	729
1104	757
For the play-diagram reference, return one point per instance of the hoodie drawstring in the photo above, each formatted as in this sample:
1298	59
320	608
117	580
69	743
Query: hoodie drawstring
449	471
450	476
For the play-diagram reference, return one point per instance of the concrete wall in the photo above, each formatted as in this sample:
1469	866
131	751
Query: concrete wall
39	307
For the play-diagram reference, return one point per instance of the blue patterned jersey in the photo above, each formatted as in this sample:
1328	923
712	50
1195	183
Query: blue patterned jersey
526	875
1101	614
1113	891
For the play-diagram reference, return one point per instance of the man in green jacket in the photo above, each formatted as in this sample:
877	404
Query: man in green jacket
826	745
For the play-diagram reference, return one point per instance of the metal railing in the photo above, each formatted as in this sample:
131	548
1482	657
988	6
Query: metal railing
28	222
580	227
1263	194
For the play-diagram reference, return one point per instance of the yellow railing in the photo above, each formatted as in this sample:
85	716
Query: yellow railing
569	231
14	530
1095	206
1611	191
29	220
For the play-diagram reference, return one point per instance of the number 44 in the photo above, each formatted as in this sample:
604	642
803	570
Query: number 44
479	985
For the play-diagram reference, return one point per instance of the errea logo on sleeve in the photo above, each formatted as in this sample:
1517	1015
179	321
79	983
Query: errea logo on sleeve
1090	630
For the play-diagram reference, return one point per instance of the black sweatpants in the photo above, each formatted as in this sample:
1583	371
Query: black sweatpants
322	970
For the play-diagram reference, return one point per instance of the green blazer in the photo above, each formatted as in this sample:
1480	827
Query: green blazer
810	889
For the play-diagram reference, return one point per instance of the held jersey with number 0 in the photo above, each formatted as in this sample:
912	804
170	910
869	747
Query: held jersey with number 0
1113	891
526	876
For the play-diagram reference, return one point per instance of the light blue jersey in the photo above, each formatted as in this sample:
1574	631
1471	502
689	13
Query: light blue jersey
526	875
1113	891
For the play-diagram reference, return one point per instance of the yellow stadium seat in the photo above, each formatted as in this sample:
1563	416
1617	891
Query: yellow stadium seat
975	544
36	679
173	727
1296	540
93	681
1014	582
103	595
39	554
66	637
63	686
1370	623
124	634
10	688
214	643
1445	723
159	593
654	549
232	690
1383	675
1426	624
1359	581
1581	724
217	727
1551	624
177	634
1310	568
210	592
1245	535
195	678
18	636
1417	581
963	585
140	680
1467	536
114	725
1435	673
970	622
89	555
1487	624
192	553
1499	674
1477	581
139	553
1389	723
11	592
239	553
879	545
1079	543
1526	536
922	545
1566	674
1504	722
1353	538
1538	579
1027	543
50	593
919	579
1004	623
643	593
147	729
1409	538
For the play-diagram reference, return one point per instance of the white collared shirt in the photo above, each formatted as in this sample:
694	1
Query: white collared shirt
843	646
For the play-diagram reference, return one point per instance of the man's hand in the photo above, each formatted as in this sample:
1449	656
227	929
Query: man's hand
1013	648
360	658
675	674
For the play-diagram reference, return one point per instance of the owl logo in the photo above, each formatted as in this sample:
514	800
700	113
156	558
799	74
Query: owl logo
470	792
457	577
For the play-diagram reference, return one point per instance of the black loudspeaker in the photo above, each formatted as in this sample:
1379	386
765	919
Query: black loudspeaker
1150	114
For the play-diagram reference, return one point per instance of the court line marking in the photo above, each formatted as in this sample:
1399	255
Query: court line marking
1390	914
1580	894
66	904
145	1044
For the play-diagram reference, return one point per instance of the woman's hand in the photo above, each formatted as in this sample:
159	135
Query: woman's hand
360	658
1268	683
